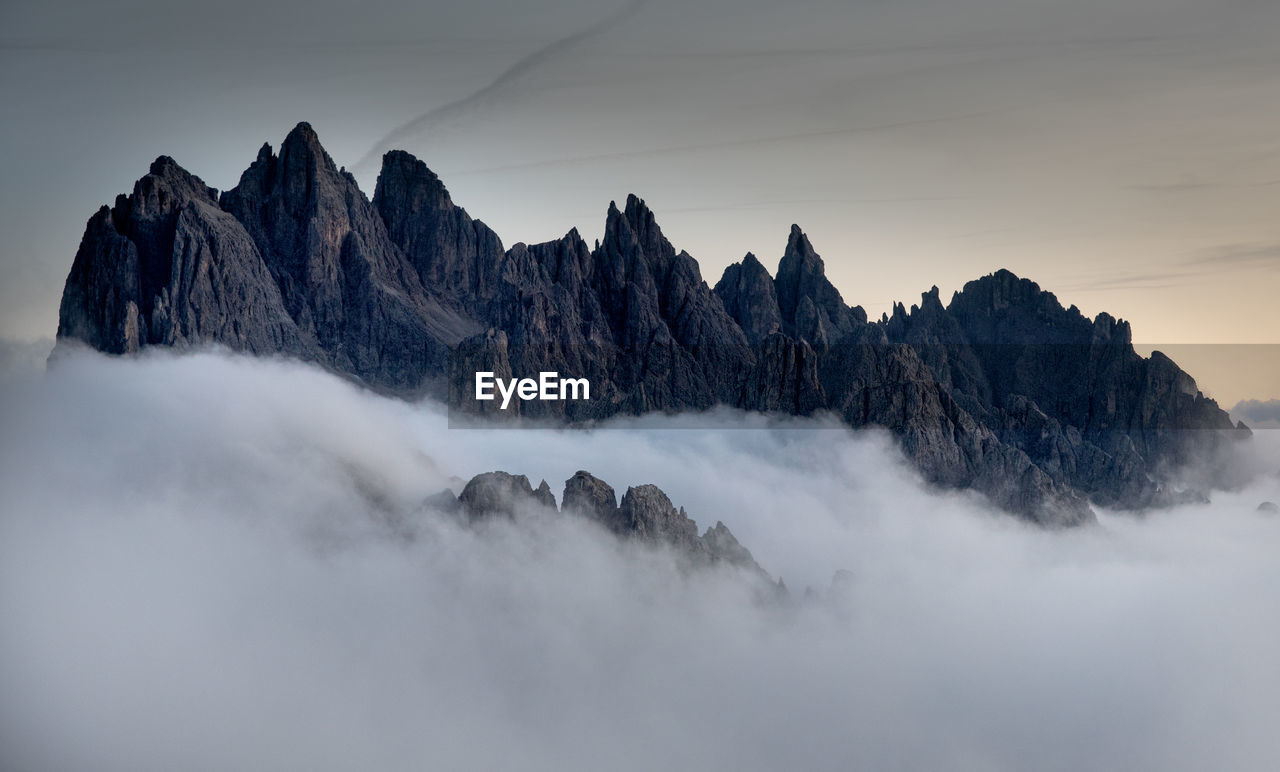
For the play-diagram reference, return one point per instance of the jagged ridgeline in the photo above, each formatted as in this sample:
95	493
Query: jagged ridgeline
1002	391
644	516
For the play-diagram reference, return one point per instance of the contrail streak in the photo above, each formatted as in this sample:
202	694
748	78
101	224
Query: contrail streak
509	75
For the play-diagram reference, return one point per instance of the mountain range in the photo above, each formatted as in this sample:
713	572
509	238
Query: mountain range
1001	390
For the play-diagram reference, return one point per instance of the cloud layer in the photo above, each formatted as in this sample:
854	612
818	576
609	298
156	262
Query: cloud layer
1259	413
210	563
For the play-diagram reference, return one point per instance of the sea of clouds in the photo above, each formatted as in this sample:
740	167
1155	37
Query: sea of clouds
212	562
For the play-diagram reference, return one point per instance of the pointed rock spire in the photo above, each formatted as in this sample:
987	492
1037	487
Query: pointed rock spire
801	276
446	246
544	496
302	145
647	513
747	291
723	545
589	496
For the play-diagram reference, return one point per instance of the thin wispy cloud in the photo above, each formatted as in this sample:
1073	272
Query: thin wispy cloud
1258	414
1107	282
496	87
1192	184
1195	266
1256	255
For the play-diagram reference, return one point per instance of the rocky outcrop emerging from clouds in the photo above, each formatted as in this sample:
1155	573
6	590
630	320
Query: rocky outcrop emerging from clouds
166	265
1001	390
1068	391
644	516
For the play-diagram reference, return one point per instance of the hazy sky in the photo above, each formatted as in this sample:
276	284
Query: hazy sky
1123	153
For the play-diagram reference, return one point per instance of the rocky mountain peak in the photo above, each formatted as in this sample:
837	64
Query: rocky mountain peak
407	290
723	544
544	496
403	173
634	242
165	189
636	225
647	512
302	145
1003	308
174	270
443	243
810	305
165	169
498	493
588	495
999	291
1109	330
801	274
749	295
798	243
642	221
931	299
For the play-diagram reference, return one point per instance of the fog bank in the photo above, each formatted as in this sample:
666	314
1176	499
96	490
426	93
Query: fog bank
210	562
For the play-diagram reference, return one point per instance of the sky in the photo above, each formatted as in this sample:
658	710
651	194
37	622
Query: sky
1124	154
255	584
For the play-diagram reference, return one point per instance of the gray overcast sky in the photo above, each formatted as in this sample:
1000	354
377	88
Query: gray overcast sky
1125	154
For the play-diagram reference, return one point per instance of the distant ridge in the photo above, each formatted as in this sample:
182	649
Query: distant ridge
1002	390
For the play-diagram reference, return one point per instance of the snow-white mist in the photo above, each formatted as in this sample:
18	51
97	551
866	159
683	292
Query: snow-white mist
211	563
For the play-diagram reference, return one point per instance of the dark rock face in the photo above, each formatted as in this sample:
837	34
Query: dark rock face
499	493
348	288
166	266
810	305
722	545
1002	390
645	515
749	295
1067	391
648	513
544	496
445	246
593	498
